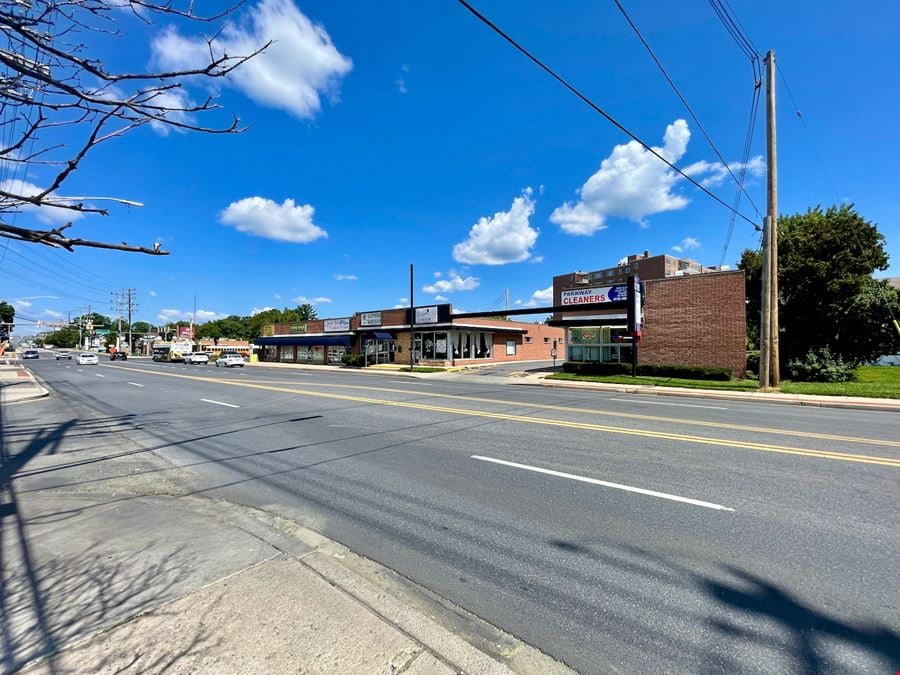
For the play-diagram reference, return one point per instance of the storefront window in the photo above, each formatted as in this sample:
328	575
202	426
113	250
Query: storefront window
287	354
510	347
270	353
604	344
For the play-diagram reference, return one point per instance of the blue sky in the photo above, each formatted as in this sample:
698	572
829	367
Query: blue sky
384	134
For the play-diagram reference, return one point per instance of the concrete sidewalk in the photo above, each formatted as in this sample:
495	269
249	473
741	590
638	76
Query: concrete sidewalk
113	583
18	384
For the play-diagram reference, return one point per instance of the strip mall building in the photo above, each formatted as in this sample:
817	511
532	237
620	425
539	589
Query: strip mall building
692	315
442	339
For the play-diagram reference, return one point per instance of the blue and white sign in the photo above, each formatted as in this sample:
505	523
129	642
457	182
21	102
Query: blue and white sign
584	296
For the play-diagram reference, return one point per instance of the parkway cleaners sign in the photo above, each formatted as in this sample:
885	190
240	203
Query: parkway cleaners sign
583	296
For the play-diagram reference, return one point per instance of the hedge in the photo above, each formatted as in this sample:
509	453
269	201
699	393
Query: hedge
648	369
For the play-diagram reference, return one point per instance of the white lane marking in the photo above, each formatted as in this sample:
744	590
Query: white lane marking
419	384
135	384
79	370
99	375
230	405
682	405
617	486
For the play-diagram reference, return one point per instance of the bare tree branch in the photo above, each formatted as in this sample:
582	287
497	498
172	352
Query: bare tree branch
54	91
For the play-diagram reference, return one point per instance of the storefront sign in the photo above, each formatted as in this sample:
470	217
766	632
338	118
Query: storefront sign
297	328
370	319
186	331
336	325
427	314
582	296
586	335
268	330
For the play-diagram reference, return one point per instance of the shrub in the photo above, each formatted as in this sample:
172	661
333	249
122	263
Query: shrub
591	368
820	365
684	372
753	362
353	360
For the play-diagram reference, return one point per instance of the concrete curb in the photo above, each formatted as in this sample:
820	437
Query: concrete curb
34	389
880	405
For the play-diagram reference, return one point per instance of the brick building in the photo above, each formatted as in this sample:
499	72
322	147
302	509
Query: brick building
442	339
692	315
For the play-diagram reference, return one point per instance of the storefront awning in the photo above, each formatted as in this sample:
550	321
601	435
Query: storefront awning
308	340
377	335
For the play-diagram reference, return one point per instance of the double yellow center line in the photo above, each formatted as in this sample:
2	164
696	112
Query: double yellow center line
586	426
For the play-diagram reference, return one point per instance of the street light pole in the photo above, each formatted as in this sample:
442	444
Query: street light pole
412	321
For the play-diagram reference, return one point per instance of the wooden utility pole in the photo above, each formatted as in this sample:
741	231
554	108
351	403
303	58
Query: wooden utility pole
771	251
412	320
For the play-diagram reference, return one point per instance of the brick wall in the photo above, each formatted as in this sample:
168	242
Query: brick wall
535	349
696	320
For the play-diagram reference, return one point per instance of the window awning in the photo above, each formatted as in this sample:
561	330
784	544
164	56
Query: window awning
308	340
377	335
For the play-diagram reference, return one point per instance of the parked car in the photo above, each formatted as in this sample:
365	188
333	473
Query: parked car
86	358
31	354
230	360
197	357
64	355
118	356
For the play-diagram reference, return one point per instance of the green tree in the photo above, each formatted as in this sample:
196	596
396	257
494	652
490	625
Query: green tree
141	328
65	338
7	313
827	296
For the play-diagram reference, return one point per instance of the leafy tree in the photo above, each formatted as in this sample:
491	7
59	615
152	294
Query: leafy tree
7	313
63	94
65	338
828	297
141	328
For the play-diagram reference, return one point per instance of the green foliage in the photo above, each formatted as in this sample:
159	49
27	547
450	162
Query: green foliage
753	362
250	327
64	339
142	328
353	360
827	294
7	312
589	368
871	381
648	370
820	365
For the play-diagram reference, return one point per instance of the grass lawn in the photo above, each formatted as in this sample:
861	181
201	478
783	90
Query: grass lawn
732	385
872	381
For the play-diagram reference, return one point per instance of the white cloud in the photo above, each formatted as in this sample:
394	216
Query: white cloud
21	303
402	303
687	244
277	296
537	259
152	294
718	173
541	297
505	237
438	275
292	74
176	102
258	310
345	277
49	313
440	298
202	316
631	183
50	215
303	300
281	222
453	283
401	85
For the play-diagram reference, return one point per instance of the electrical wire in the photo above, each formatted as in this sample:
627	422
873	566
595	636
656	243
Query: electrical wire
687	105
595	107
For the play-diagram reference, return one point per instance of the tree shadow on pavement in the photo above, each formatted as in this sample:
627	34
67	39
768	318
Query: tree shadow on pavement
47	601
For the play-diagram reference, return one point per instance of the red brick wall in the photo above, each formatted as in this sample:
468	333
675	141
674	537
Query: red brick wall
696	320
535	350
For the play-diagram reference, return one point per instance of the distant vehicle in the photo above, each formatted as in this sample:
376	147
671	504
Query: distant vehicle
86	358
118	356
196	357
30	354
64	355
230	360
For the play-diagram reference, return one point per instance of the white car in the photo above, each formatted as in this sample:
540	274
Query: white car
230	360
85	359
196	357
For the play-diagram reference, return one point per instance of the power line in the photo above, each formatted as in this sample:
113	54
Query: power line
739	35
595	107
686	105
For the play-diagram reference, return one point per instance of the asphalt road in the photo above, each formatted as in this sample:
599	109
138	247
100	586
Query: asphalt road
614	532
